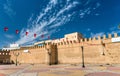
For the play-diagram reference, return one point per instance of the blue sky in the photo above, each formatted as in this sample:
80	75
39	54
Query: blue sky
55	18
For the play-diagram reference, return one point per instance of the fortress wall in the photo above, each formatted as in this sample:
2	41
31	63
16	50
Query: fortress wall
72	53
68	52
94	50
112	50
36	54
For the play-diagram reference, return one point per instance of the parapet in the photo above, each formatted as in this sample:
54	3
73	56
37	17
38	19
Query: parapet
109	36
104	37
115	35
70	42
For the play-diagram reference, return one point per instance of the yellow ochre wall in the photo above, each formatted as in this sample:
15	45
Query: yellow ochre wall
96	50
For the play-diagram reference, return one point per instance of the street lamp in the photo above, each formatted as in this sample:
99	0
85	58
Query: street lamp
103	45
83	64
16	55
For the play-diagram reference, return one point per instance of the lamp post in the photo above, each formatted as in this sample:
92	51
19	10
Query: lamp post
16	60
83	64
103	45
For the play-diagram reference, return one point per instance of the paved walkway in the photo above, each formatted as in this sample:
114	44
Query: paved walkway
59	70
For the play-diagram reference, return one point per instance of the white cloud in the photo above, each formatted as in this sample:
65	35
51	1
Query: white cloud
113	28
87	2
89	9
115	31
85	12
46	23
8	8
88	29
9	36
98	4
97	14
82	14
97	34
88	12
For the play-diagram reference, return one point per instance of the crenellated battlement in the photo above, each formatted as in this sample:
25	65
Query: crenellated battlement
74	42
71	42
87	40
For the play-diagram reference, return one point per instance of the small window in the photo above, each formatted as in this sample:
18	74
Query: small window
6	53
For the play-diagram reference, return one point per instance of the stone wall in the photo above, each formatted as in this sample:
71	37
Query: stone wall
36	54
69	53
98	50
